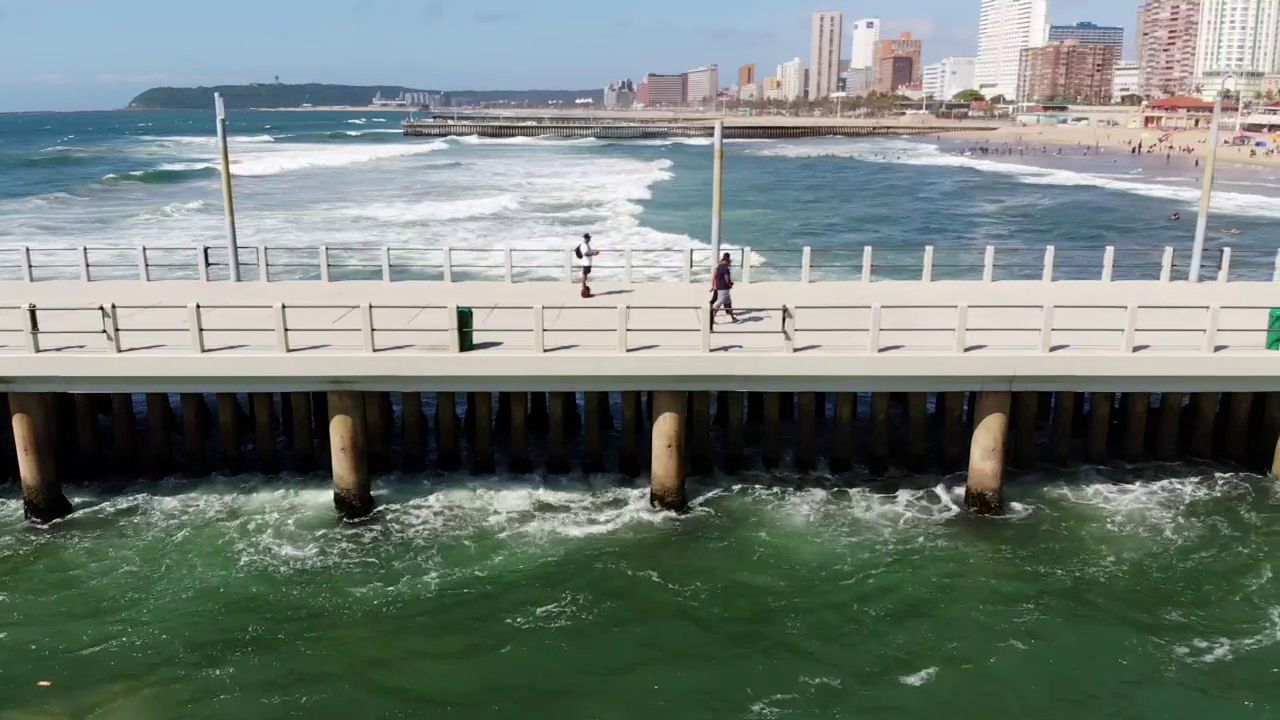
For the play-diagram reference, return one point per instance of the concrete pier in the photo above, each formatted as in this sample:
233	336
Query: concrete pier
352	493
984	491
42	498
667	481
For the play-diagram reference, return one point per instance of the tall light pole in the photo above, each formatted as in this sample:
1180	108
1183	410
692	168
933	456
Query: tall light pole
1206	190
228	203
717	193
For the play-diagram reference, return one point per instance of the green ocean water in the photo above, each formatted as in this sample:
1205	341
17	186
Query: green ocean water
1147	595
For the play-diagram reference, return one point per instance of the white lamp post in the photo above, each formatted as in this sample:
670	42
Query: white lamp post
1206	191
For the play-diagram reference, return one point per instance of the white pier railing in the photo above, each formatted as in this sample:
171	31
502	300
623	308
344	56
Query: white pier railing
630	265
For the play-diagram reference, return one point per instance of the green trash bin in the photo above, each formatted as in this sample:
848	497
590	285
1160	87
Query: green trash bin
466	329
1273	330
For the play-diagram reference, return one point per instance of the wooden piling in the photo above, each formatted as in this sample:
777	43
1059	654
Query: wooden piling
539	416
159	445
629	443
264	432
806	457
301	442
194	432
1272	430
518	460
413	457
667	483
378	431
917	459
1204	429
771	433
1168	436
482	443
1137	409
984	491
735	438
558	433
448	439
42	498
1098	442
596	406
1064	418
1239	410
229	431
1022	428
701	462
352	491
955	451
878	456
842	438
88	445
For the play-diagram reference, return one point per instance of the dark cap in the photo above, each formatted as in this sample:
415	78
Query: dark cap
586	236
726	256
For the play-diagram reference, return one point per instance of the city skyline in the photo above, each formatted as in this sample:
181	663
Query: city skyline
99	57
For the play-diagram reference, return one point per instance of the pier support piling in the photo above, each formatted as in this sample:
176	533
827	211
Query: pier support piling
352	493
878	455
1026	414
301	445
954	448
1137	409
518	434
917	432
1272	437
264	432
806	458
42	498
413	456
1064	418
482	439
159	446
1170	429
194	432
596	408
378	420
229	431
984	491
629	443
1239	411
667	484
771	432
842	438
558	433
448	440
701	463
88	445
1205	429
735	440
1098	442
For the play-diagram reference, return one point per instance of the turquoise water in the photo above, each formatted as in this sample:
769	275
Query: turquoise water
1126	593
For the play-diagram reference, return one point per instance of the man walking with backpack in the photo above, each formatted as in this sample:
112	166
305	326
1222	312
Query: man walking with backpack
585	253
721	284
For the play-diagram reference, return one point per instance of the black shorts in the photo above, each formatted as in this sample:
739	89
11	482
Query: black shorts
586	270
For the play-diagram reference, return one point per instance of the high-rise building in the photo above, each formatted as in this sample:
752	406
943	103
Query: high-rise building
620	94
747	75
866	33
1239	38
944	79
792	76
1068	71
1167	35
773	88
1128	81
702	84
665	90
1087	32
897	63
824	54
1005	29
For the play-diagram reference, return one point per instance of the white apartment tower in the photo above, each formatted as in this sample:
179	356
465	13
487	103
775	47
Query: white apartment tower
866	33
1240	38
824	58
1005	29
791	76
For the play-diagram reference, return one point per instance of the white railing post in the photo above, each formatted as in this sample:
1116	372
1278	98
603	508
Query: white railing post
455	343
324	263
446	264
688	267
867	267
113	329
366	326
746	265
1050	260
1109	264
84	264
962	328
202	263
196	326
31	328
1166	265
626	266
704	314
926	268
1211	329
144	273
1130	329
386	264
1224	272
873	334
24	257
788	329
539	331
806	264
264	265
568	265
282	329
989	265
1046	330
508	265
624	319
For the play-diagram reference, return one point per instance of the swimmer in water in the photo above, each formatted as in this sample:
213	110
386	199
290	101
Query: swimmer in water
1175	217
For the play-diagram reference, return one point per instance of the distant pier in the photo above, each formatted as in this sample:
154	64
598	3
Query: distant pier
651	131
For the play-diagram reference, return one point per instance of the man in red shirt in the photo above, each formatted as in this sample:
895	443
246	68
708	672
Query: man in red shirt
721	284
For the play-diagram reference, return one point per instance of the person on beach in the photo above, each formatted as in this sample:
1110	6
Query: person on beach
585	253
721	284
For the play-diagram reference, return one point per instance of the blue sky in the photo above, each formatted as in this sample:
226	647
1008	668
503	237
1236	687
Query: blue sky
94	54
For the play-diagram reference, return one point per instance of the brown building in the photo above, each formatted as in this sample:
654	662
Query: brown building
1068	71
1167	34
897	63
747	75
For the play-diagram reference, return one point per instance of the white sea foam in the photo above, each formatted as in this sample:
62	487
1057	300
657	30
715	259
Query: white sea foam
924	677
441	210
357	121
1157	508
1202	651
916	153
